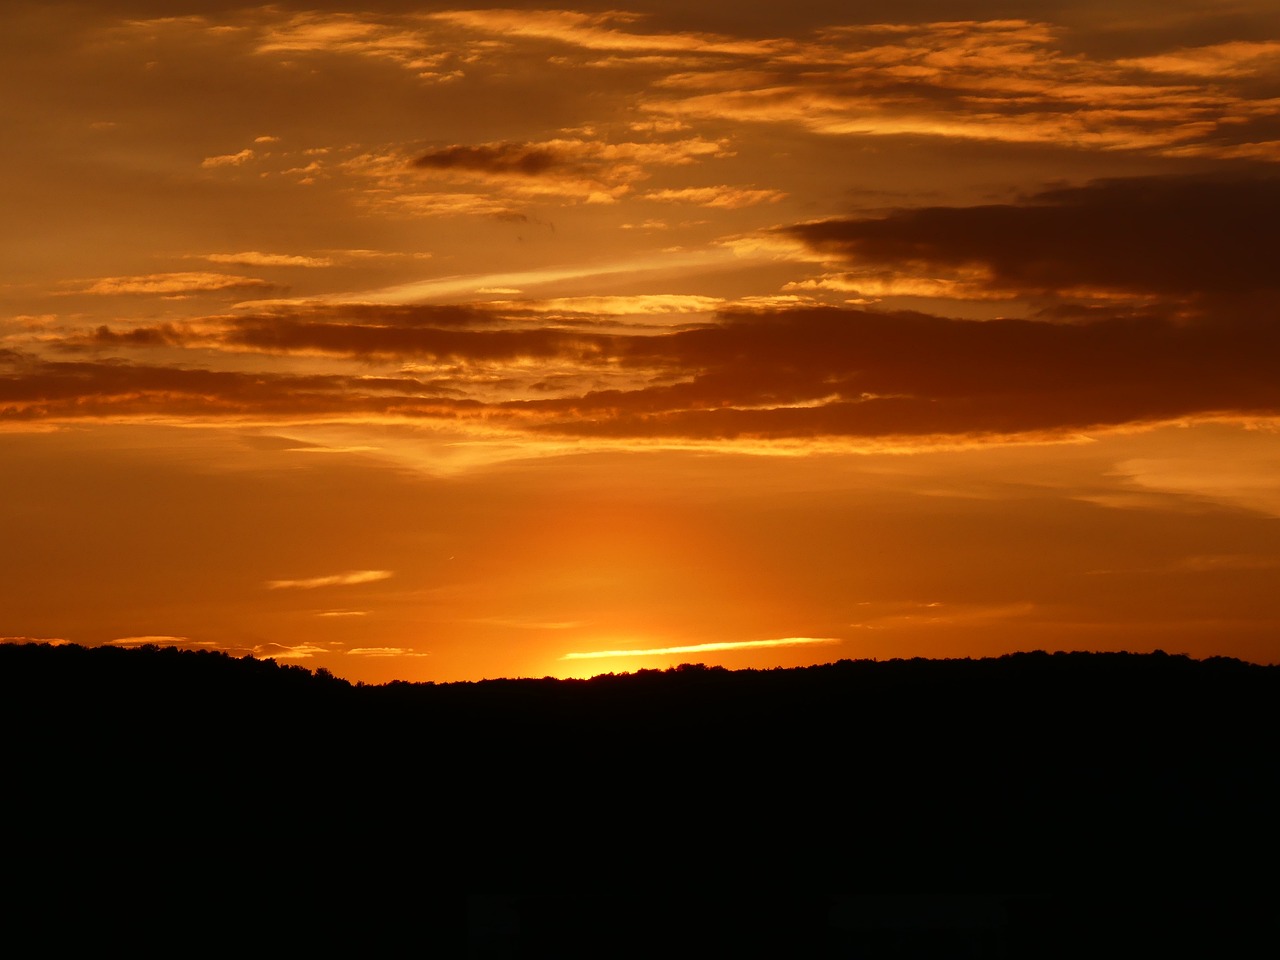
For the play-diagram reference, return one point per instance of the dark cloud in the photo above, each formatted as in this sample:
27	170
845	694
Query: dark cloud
522	158
163	335
284	335
775	373
852	373
444	315
1182	237
36	389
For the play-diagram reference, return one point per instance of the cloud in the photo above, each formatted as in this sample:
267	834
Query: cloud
639	304
1249	481
1237	58
302	335
252	258
174	284
32	389
103	336
279	651
320	32
1154	298
665	265
158	640
380	652
522	158
444	204
595	31
228	159
811	373
262	651
359	254
700	648
999	80
274	651
1177	236
286	37
594	171
1006	80
723	197
726	373
336	580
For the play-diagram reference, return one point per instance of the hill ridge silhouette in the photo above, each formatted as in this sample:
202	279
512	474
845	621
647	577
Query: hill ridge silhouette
1030	771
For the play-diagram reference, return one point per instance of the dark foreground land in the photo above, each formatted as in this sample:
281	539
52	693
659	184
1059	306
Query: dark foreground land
1004	807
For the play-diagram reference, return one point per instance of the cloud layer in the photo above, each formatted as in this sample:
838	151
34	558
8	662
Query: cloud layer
1178	237
1153	300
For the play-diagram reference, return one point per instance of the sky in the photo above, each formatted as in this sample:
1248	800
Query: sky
443	342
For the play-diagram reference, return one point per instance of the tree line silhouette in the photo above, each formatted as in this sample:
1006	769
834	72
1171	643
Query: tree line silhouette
1027	776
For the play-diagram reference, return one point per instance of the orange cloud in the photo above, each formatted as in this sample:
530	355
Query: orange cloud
396	652
724	197
228	159
1010	80
996	80
161	641
252	258
389	39
593	31
168	284
595	171
1238	58
336	580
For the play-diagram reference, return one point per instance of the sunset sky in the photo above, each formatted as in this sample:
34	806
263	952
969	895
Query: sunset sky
441	342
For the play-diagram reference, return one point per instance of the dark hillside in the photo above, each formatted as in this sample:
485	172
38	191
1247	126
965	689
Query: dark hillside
1026	773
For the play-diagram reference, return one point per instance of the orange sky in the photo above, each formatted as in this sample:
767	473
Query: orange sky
434	341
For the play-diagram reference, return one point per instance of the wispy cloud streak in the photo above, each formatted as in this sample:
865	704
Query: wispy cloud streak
701	648
336	580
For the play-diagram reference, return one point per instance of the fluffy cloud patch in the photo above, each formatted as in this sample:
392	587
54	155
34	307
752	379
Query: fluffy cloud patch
228	159
596	171
1001	80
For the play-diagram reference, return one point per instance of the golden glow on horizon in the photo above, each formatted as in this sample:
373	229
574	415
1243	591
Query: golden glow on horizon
700	648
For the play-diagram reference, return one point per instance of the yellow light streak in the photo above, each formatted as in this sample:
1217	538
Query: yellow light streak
700	648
